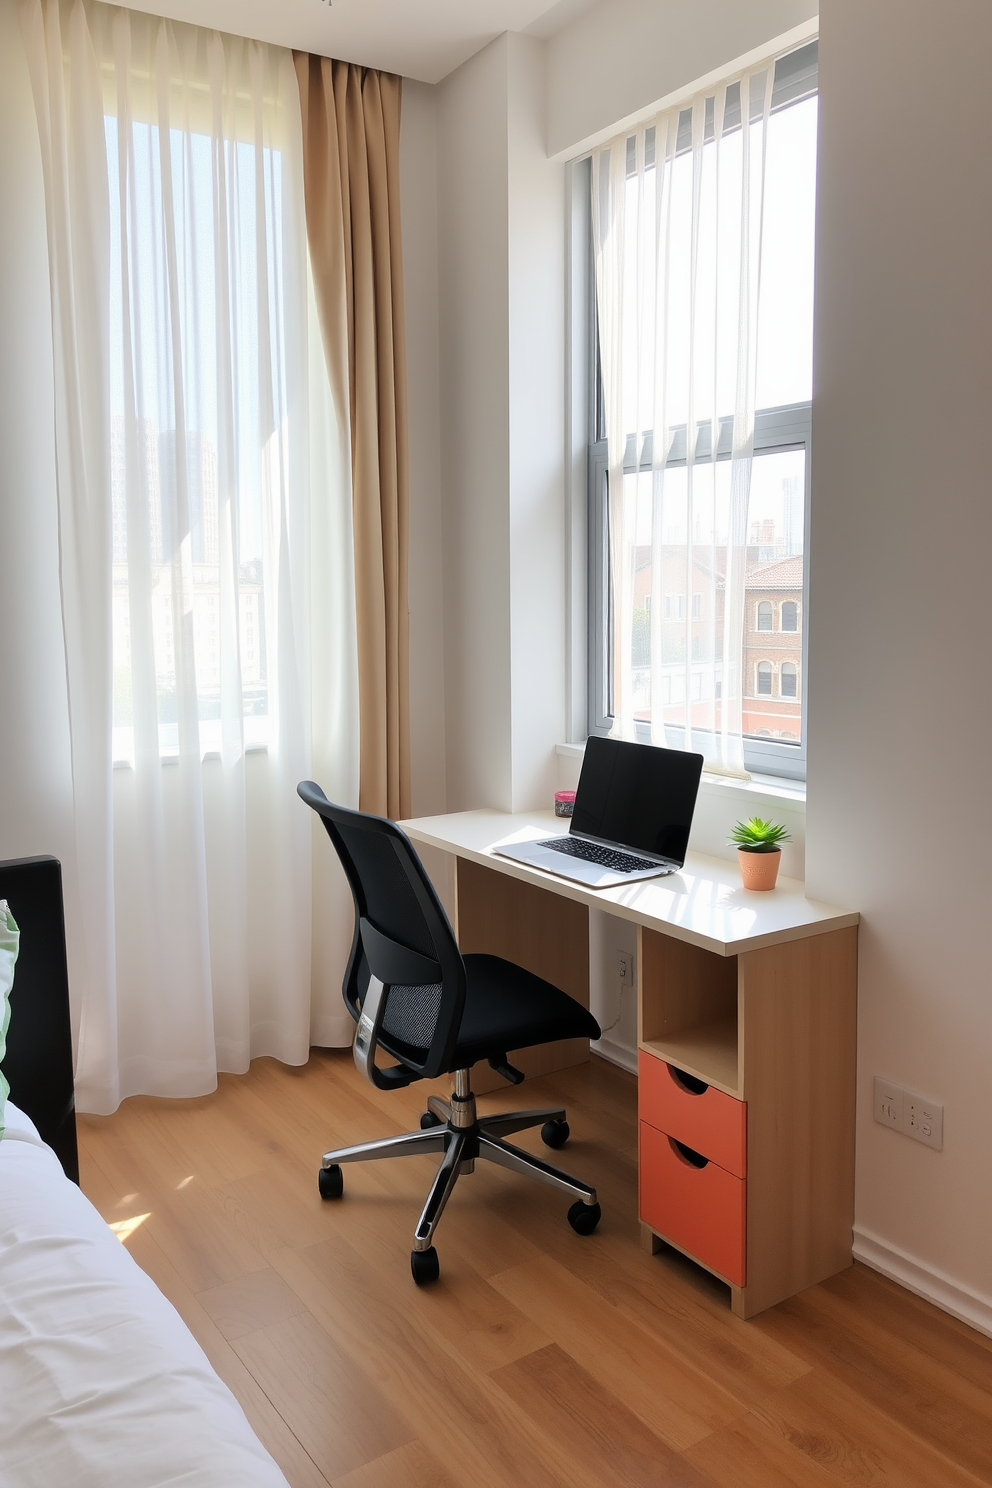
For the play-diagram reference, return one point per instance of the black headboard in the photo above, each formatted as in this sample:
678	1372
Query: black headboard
38	1062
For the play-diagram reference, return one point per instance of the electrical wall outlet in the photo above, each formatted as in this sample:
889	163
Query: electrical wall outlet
625	968
924	1120
910	1113
888	1103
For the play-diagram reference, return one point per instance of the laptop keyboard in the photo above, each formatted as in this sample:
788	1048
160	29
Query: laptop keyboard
605	857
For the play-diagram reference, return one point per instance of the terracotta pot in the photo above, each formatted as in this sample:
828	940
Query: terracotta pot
759	870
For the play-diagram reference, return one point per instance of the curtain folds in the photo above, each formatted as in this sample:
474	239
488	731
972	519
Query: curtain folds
205	550
351	123
73	153
677	225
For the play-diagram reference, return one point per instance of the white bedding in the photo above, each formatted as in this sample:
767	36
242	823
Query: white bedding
101	1383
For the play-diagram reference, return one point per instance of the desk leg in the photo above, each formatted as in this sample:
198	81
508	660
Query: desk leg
798	1029
649	1240
543	931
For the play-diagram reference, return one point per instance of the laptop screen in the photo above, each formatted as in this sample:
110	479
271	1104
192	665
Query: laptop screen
638	795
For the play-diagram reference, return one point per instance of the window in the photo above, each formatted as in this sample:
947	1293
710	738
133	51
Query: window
694	537
190	469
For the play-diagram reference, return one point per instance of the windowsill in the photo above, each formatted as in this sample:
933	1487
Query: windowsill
172	758
254	740
777	786
773	787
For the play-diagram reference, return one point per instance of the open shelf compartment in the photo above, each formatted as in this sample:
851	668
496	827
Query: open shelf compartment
688	1009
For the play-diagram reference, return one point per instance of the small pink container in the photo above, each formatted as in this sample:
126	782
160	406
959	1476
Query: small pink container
564	801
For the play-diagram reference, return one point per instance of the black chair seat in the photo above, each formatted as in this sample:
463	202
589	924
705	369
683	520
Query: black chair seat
507	1007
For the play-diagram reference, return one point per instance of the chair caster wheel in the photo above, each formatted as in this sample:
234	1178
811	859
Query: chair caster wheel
330	1182
584	1217
425	1266
555	1133
428	1119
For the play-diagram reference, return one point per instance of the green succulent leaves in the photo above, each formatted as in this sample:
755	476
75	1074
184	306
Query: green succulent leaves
756	835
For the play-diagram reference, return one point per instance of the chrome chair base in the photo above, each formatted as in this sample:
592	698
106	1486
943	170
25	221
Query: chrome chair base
462	1136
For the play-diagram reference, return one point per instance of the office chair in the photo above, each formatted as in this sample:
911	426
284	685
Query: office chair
414	996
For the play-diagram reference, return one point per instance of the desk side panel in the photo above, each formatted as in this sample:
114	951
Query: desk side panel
538	929
798	1027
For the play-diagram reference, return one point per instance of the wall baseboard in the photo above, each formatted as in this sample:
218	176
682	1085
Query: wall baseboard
619	1054
934	1286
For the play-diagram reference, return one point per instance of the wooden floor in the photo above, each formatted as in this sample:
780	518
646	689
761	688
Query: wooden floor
540	1358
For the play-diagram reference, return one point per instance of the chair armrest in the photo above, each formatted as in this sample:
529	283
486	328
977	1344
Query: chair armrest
367	1039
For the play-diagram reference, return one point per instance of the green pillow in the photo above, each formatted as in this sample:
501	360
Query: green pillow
10	938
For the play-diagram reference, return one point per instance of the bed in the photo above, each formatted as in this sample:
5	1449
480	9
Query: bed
100	1380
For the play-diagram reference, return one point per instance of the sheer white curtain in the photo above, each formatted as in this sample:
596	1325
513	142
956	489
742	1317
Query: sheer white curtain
206	561
677	225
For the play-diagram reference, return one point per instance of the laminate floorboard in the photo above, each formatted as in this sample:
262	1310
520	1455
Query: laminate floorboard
541	1358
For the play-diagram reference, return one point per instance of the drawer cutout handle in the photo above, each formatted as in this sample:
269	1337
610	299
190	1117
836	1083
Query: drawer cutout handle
691	1084
688	1155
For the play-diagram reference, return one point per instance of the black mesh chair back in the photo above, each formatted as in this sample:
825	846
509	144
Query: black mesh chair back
402	936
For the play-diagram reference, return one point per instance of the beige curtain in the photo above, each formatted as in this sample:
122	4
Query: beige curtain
351	138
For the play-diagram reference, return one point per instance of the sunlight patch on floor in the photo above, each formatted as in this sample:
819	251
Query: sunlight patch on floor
125	1228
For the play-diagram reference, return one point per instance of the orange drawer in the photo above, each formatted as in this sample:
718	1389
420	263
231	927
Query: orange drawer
709	1121
700	1209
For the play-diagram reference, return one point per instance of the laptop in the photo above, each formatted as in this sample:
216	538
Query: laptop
631	819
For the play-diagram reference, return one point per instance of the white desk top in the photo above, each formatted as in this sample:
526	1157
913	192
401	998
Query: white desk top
704	904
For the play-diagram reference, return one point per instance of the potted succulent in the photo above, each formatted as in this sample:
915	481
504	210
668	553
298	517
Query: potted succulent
759	851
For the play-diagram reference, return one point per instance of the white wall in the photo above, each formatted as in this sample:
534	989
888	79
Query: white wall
536	293
473	257
501	277
899	813
625	55
418	206
35	786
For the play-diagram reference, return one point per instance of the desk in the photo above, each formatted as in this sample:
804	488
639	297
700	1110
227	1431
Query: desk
751	996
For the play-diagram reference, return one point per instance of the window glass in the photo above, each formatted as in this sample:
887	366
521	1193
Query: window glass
774	562
676	652
785	317
775	565
179	479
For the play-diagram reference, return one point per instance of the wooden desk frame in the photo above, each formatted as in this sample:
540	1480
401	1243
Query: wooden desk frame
769	1018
